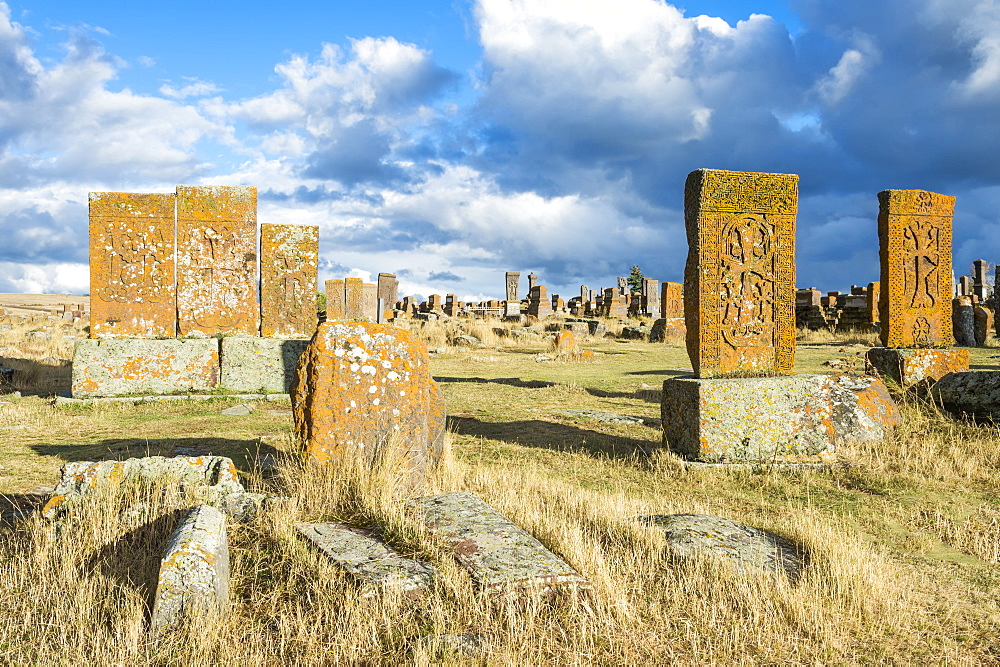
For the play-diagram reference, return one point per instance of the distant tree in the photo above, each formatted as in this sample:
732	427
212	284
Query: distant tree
635	280
320	302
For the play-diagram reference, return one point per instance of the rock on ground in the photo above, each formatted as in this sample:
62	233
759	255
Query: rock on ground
749	550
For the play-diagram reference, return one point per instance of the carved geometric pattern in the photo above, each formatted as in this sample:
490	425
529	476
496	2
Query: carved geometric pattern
739	280
914	231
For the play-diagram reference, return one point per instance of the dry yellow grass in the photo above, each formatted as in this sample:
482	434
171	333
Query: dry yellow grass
902	543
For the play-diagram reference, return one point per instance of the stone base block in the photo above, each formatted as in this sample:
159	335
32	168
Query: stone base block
144	365
265	365
911	366
667	329
974	394
797	418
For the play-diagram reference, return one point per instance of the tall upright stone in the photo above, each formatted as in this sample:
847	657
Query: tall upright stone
354	298
980	267
671	300
289	259
914	231
539	303
874	290
650	297
369	301
132	265
739	280
532	281
217	260
388	293
335	305
513	278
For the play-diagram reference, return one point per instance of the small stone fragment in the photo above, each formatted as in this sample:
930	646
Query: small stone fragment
498	553
366	558
238	410
194	572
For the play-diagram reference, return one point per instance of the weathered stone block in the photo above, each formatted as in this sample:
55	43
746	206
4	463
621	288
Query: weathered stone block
217	260
907	367
671	300
367	559
749	550
266	365
512	280
794	418
739	280
194	572
498	553
971	393
335	305
135	366
132	265
667	329
963	321
215	474
914	232
366	389
288	260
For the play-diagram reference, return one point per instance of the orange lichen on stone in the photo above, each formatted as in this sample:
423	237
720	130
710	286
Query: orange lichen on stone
739	280
914	230
335	306
289	259
565	342
907	367
217	260
365	389
671	300
131	265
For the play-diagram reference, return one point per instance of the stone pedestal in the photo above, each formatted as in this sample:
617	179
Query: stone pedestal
138	365
796	418
907	367
264	365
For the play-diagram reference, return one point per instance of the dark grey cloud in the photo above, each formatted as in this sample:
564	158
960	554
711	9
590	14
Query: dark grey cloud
446	276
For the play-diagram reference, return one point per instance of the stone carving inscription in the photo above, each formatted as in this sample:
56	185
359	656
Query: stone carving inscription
289	258
217	260
914	229
739	281
131	264
513	278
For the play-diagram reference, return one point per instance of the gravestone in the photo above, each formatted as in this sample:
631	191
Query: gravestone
915	300
354	298
965	286
873	300
622	285
335	305
289	257
539	304
369	301
650	297
388	293
739	281
532	281
217	260
979	287
132	265
584	294
513	278
963	321
671	300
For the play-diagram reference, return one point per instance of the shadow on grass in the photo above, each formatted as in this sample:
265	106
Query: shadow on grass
513	382
244	453
557	437
33	378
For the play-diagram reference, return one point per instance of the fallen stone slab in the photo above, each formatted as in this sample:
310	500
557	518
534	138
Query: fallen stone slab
138	400
609	417
110	367
974	394
369	560
748	550
215	474
194	572
266	365
498	553
240	410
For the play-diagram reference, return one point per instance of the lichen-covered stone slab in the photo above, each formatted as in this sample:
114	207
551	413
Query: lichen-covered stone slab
370	560
366	389
335	304
498	553
671	300
388	293
799	418
974	394
289	256
907	367
749	550
265	365
739	280
194	573
108	367
354	298
132	265
216	474
914	233
217	260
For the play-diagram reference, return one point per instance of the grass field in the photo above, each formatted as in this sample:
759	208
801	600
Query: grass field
903	544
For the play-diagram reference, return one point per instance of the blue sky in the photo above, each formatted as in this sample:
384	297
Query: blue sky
449	141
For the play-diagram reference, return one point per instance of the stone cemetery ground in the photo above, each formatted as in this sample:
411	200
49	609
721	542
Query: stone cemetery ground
899	544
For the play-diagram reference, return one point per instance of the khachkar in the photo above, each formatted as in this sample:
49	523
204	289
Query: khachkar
739	281
288	262
217	260
915	295
513	278
739	311
132	265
